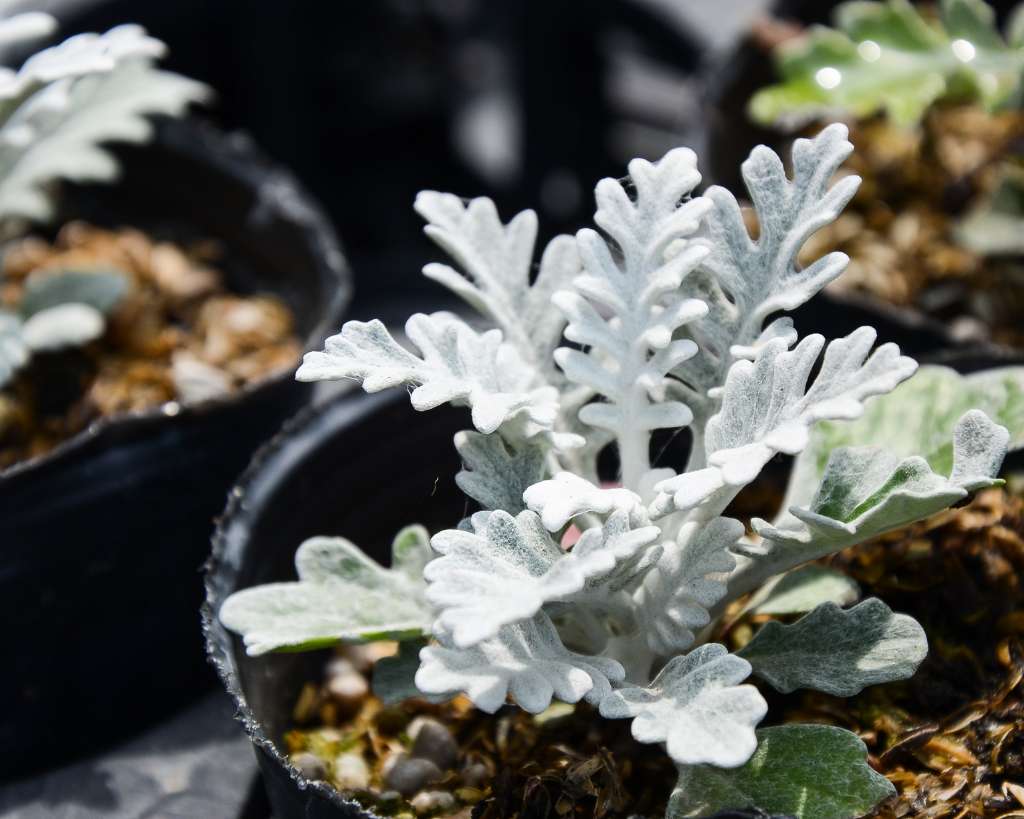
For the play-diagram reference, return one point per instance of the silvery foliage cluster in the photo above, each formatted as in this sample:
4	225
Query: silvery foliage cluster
57	112
660	319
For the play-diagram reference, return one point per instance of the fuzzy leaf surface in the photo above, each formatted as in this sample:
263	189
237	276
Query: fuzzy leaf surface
806	771
697	706
495	473
495	260
525	661
341	595
456	364
838	651
802	590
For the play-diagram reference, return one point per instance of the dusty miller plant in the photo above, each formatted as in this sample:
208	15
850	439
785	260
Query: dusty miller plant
57	112
665	317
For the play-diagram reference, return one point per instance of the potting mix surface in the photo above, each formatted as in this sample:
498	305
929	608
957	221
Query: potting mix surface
177	335
951	739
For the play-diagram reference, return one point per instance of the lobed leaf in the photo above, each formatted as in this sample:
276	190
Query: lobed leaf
803	589
838	651
805	771
496	473
697	706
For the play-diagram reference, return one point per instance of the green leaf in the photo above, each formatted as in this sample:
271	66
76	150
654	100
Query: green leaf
341	596
884	56
917	418
394	677
801	590
806	771
101	290
838	651
995	226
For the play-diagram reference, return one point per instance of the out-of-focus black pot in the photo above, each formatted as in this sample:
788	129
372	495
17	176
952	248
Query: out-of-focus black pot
731	79
362	467
102	539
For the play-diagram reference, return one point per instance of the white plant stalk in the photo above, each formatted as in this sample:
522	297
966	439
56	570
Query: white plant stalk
659	320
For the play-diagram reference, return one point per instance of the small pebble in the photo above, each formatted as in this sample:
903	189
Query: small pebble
433	741
431	801
475	775
351	772
309	765
407	774
347	687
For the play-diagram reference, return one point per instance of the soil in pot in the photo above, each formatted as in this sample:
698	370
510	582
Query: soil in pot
951	739
176	335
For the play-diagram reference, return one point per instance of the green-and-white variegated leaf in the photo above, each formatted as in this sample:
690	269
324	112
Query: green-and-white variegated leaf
870	490
687	581
496	473
917	418
507	568
838	651
768	407
341	595
525	661
566	495
14	352
744	281
697	706
887	56
60	130
626	307
805	771
495	260
66	325
456	364
802	590
99	289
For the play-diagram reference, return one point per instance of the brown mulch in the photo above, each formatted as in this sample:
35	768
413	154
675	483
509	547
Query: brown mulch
951	739
176	313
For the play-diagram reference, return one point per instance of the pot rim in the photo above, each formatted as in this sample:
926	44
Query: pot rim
236	154
298	436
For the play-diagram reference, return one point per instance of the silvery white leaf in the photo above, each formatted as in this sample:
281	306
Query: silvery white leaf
341	595
508	568
495	473
677	594
14	352
60	131
838	651
526	660
99	289
565	496
917	418
697	706
495	260
869	490
744	281
768	407
66	325
458	365
23	27
627	306
802	590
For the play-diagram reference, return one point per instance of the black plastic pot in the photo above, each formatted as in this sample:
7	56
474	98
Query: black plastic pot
362	467
102	539
731	78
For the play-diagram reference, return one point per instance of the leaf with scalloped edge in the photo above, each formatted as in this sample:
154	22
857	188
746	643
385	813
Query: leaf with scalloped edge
838	651
805	771
525	661
696	706
342	595
496	473
888	57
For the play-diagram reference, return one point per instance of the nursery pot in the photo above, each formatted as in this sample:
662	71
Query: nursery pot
361	467
731	78
102	539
